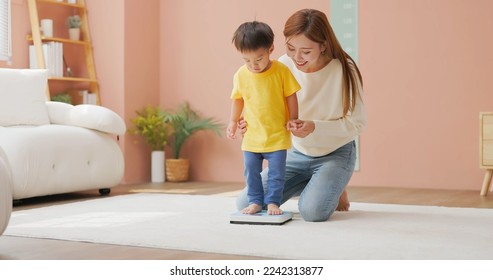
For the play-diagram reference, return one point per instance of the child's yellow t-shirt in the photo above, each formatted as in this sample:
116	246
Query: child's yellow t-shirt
265	109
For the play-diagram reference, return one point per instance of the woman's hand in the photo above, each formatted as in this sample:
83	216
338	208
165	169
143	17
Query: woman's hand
302	128
242	126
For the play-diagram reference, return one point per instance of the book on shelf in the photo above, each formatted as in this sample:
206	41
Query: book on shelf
88	97
53	56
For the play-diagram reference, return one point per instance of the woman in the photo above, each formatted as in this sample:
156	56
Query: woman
331	115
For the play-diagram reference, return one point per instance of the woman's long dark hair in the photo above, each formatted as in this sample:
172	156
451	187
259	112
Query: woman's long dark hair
315	26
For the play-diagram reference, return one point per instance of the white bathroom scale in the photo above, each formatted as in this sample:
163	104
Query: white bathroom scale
260	218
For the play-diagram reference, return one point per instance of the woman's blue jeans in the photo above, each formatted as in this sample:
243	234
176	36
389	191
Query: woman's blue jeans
319	181
275	177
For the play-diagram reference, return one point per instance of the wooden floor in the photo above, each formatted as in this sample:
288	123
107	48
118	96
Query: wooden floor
16	248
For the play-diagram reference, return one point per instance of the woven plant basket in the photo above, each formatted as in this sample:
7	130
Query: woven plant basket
177	169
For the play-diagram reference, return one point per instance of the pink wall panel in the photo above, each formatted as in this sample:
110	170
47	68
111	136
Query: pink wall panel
426	66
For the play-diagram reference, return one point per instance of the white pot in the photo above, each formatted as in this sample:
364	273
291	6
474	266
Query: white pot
47	27
157	166
74	34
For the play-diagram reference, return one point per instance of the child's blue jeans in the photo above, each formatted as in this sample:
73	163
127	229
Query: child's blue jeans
275	177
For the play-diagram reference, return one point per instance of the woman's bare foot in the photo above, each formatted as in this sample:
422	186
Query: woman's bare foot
273	209
251	209
343	202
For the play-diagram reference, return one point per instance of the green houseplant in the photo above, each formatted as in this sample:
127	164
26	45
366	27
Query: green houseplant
73	21
62	97
73	24
185	122
150	124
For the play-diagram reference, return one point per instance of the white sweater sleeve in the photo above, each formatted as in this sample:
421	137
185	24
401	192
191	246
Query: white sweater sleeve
351	125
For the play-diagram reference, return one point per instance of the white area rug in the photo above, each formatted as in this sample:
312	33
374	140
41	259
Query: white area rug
201	223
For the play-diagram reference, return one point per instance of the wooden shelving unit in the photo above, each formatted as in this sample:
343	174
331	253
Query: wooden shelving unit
85	43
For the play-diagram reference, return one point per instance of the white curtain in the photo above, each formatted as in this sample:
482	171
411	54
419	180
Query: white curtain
5	31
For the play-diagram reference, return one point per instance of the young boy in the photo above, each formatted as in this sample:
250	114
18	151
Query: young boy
265	92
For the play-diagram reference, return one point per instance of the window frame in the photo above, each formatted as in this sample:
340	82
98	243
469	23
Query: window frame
5	30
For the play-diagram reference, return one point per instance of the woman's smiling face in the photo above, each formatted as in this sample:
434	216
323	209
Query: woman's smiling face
305	53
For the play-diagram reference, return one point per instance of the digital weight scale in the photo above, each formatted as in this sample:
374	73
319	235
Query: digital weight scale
260	218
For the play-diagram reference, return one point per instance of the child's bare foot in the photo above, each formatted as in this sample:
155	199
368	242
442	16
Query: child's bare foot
251	209
273	209
343	202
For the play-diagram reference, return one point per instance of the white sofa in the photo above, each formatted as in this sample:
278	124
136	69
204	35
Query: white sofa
5	192
54	147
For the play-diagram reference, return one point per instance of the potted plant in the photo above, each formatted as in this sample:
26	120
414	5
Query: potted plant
185	122
150	124
62	97
73	23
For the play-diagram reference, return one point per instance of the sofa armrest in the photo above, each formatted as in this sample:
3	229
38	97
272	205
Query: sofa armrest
87	116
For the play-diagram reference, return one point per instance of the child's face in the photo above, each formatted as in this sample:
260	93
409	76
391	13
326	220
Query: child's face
257	61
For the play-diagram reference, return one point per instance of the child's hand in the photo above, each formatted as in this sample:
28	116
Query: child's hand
231	130
294	124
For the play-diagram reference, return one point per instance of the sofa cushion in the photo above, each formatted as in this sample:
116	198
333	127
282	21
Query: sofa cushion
98	118
59	112
23	96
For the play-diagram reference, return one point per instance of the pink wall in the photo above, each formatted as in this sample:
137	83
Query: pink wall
128	67
425	66
141	77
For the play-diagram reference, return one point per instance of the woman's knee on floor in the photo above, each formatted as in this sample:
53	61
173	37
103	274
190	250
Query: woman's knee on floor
242	200
314	214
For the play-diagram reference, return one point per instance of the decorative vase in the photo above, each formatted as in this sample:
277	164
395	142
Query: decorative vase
74	34
157	166
177	169
47	27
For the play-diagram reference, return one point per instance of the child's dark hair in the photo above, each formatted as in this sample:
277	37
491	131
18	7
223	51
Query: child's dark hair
251	36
